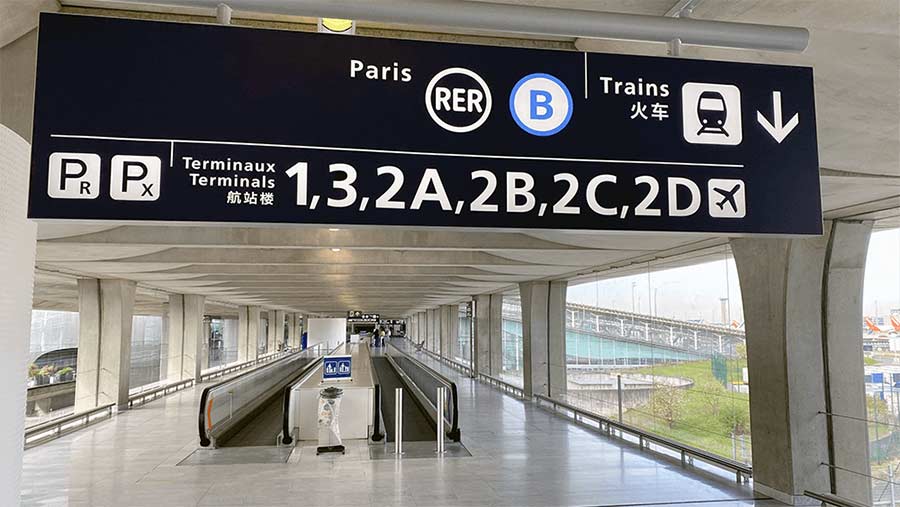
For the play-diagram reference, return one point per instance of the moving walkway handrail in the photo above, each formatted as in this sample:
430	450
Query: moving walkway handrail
453	400
204	397
377	433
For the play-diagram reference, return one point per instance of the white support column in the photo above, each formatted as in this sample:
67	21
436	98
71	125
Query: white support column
482	334
175	363
194	339
243	324
802	303
844	274
433	330
104	342
248	332
276	330
535	327
446	338
254	327
495	318
293	331
556	337
17	248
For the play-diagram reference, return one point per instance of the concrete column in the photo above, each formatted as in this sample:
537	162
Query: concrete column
802	303
431	322
293	332
276	330
175	363
482	336
496	334
423	327
254	325
17	247
186	338
535	298
444	337
104	342
556	336
243	331
194	339
845	271
453	332
204	344
164	344
248	332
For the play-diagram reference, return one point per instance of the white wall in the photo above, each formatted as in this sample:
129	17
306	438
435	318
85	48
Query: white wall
332	331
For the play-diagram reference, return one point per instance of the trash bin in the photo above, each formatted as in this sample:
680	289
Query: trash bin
329	414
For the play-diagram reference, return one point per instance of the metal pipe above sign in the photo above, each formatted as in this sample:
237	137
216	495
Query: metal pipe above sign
288	127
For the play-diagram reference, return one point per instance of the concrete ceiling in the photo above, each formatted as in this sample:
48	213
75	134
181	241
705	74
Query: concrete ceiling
854	49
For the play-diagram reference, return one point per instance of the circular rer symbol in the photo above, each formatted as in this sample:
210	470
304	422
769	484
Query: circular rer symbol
458	100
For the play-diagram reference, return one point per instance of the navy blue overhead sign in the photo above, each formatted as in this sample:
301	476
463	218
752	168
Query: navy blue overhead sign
150	121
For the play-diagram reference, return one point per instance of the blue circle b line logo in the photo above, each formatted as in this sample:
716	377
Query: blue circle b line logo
541	104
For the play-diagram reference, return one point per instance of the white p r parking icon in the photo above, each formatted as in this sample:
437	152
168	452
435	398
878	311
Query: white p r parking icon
74	176
135	178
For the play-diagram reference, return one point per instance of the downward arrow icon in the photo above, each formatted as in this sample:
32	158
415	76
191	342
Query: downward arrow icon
777	129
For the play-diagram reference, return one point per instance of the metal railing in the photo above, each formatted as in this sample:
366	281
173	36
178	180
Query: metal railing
606	425
60	426
829	499
427	380
456	365
226	369
147	396
514	390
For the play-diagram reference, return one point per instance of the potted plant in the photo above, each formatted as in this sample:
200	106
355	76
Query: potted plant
47	372
66	374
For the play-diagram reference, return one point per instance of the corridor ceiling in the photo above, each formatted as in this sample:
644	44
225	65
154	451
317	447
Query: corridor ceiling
854	49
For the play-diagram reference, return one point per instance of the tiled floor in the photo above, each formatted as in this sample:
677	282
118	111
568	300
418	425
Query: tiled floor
521	456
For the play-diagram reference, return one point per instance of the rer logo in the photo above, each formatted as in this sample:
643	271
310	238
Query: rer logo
541	104
77	176
458	100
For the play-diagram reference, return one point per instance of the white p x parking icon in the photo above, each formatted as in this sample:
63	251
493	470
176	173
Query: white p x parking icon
135	178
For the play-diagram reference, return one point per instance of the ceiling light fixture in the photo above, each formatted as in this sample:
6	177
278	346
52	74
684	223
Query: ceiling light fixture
335	249
333	230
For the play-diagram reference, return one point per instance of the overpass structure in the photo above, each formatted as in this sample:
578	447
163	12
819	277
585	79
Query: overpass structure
633	338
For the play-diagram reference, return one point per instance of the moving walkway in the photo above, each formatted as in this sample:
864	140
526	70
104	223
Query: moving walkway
275	404
246	410
397	368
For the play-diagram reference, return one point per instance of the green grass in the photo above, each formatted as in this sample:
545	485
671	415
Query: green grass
698	425
870	361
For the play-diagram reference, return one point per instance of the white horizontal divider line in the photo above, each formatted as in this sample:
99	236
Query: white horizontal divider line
400	152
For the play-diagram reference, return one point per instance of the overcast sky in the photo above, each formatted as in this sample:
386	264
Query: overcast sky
695	292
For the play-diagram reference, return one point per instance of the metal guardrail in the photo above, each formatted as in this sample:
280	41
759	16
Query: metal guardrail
60	426
829	499
152	394
514	390
225	370
456	365
688	453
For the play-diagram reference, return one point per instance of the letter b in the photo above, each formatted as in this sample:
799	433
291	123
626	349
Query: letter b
540	105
